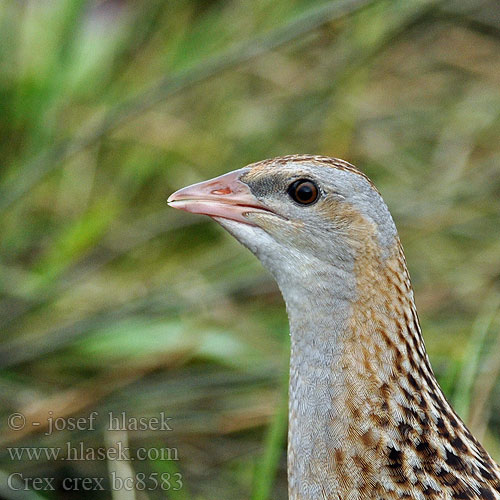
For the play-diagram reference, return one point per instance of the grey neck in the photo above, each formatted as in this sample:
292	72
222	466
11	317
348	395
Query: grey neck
319	307
317	384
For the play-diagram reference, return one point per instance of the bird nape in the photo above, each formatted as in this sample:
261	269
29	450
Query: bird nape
367	418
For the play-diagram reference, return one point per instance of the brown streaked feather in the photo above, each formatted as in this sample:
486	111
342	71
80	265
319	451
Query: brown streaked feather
317	159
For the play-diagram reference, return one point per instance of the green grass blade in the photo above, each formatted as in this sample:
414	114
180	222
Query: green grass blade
267	466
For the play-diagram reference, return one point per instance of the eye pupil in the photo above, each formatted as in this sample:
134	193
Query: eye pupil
303	191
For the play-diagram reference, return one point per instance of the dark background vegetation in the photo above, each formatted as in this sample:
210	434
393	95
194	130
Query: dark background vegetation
110	301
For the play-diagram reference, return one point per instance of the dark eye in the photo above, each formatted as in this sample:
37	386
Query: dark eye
303	191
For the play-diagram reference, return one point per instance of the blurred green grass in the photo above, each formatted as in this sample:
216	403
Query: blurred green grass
109	301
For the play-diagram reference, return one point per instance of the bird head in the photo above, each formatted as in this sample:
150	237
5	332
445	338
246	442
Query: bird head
300	215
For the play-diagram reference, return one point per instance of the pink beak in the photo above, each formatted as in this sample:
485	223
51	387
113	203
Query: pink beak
224	196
